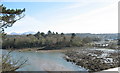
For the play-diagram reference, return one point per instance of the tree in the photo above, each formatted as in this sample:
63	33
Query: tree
53	33
96	39
86	40
56	33
9	16
72	37
62	34
49	32
43	34
37	35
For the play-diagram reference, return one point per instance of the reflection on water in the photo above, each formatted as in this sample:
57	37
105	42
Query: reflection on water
45	61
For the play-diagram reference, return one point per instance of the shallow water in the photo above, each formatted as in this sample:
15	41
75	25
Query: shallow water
45	61
49	61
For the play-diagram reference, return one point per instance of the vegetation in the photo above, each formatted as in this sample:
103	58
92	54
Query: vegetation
48	41
51	40
8	64
7	18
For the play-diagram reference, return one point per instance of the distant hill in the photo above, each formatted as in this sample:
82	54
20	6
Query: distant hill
25	33
14	33
103	36
30	32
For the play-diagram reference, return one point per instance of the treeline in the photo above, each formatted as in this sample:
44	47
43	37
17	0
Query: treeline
50	40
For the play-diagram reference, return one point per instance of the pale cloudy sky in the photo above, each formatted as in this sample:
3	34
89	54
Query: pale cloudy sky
83	16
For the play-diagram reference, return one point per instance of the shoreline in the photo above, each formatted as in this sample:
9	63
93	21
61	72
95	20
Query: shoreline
64	49
115	70
93	60
84	57
36	50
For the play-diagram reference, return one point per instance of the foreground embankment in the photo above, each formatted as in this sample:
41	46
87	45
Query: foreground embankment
94	60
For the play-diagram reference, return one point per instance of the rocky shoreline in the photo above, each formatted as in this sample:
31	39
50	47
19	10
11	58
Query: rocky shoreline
94	60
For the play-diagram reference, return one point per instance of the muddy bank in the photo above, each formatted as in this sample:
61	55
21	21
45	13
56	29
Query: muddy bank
40	49
94	59
37	50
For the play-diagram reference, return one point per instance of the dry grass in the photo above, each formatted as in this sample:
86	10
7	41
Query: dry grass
9	64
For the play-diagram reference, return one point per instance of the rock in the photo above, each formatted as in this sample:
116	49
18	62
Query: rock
91	60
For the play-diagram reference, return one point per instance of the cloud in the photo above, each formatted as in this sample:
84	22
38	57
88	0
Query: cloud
59	0
41	0
82	3
102	20
28	23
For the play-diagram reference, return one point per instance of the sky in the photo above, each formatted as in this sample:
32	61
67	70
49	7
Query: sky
78	16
